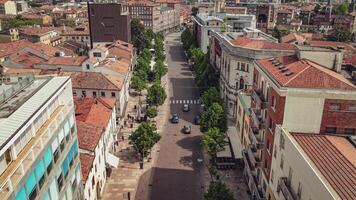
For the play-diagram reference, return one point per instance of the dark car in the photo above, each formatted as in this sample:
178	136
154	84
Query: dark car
175	119
186	129
186	108
197	119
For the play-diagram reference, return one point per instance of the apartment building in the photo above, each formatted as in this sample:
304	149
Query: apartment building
39	147
39	34
97	136
113	21
13	7
233	53
155	16
313	166
301	96
205	23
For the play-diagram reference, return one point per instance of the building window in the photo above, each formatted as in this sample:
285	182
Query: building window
88	66
113	94
334	107
74	93
96	54
330	129
275	151
272	174
281	142
273	103
299	193
94	94
60	182
84	94
93	182
352	108
350	131
282	161
102	94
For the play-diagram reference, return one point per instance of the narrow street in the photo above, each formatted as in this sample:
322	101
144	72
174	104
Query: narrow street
176	174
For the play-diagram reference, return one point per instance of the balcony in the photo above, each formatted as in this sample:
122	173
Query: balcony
256	117
255	162
251	178
17	169
284	187
256	141
259	99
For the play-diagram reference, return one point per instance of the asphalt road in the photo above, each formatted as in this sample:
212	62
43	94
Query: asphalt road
177	174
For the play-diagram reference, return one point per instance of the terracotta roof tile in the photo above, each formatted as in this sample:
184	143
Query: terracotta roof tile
321	43
12	47
261	44
335	158
94	111
26	59
88	135
96	80
86	164
304	74
37	31
70	61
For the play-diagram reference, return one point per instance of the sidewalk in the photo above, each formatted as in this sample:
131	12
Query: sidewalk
124	179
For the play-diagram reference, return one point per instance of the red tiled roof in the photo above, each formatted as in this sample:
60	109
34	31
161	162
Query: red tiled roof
94	111
86	163
88	135
321	43
305	74
26	59
70	61
261	44
96	80
335	158
12	47
37	31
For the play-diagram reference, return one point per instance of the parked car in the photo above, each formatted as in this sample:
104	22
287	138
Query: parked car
186	129
197	120
175	119
186	108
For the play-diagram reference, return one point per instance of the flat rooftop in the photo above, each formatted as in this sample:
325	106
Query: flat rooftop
17	110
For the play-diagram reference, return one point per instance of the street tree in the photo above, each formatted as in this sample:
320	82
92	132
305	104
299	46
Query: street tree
146	54
152	112
137	83
218	191
187	39
214	116
149	34
205	74
144	138
160	70
214	141
210	96
156	95
197	55
138	37
143	64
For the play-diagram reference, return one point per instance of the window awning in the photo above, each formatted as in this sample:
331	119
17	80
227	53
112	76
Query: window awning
112	160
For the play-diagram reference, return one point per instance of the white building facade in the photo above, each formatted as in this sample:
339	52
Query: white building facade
39	147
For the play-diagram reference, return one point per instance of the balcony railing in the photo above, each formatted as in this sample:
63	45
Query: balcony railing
257	143
251	178
257	120
284	187
259	99
255	162
17	169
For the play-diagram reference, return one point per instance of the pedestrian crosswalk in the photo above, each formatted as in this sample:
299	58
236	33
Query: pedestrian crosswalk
186	101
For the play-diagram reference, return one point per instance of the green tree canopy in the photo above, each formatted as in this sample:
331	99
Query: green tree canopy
138	37
277	33
340	34
341	9
151	112
146	54
187	39
156	95
138	84
214	116
144	138
218	191
211	96
205	74
160	69
197	55
143	64
214	141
